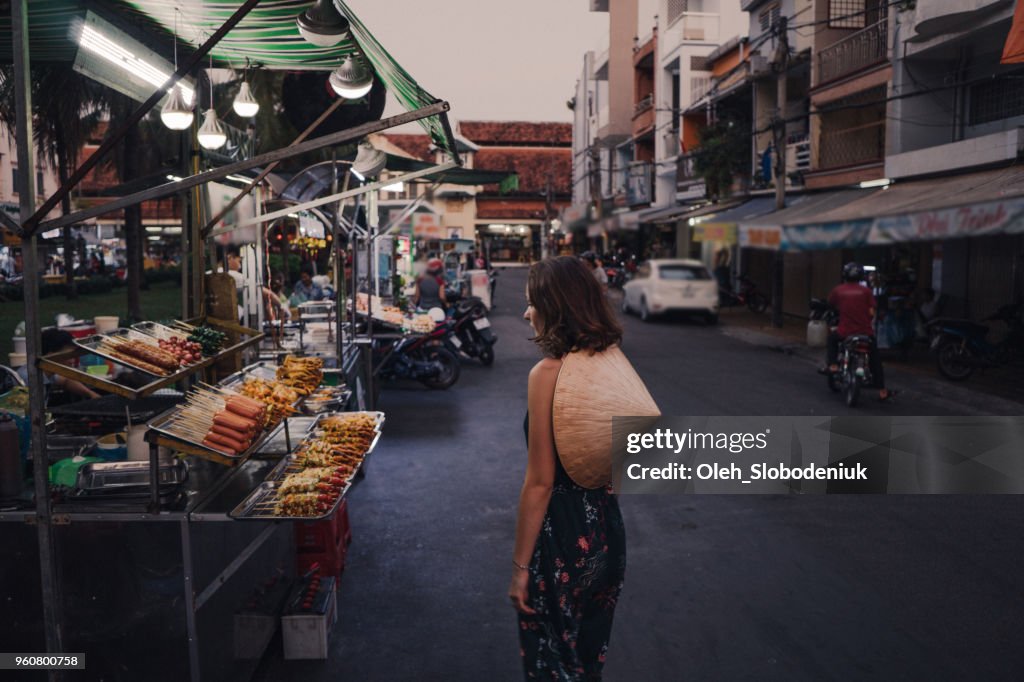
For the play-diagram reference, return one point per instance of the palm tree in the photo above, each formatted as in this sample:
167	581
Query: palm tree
66	109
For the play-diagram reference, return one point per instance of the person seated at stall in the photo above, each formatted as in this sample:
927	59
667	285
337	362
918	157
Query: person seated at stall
430	286
306	289
59	390
276	300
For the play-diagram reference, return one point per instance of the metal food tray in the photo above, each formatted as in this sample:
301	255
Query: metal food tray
377	416
259	505
287	464
258	370
160	422
159	331
97	476
92	344
312	406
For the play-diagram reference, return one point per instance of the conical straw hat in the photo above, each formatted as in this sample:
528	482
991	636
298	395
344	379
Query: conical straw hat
592	388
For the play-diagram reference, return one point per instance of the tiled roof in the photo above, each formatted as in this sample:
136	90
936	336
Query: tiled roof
532	166
415	145
517	133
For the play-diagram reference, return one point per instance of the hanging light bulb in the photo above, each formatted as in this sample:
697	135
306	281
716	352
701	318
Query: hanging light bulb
353	79
369	162
322	24
176	115
245	104
211	133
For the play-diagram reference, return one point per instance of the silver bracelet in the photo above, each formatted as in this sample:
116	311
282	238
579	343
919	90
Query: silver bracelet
520	566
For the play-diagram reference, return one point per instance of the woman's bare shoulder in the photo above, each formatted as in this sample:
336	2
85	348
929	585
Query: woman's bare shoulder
546	371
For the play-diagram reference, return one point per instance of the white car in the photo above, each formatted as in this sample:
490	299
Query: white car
670	285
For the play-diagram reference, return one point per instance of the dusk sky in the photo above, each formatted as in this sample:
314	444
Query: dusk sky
492	60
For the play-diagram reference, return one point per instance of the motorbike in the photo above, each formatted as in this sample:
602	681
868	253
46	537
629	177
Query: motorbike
961	346
470	330
424	358
748	295
854	357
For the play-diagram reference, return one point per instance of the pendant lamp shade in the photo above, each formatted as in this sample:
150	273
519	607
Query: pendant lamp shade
353	79
245	105
322	24
211	133
175	114
370	161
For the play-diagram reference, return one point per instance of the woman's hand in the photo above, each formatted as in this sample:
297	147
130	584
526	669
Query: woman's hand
518	591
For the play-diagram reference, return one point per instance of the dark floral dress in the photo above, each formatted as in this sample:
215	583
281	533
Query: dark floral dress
576	576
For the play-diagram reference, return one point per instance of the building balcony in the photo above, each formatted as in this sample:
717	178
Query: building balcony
854	53
853	146
694	27
996	148
638	183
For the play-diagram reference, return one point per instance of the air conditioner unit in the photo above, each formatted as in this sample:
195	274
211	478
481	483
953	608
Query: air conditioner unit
759	66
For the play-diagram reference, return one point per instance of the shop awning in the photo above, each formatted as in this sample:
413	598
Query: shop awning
791	230
723	226
973	204
671	214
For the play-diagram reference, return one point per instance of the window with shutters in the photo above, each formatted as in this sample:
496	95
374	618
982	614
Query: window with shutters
698	63
676	9
847	13
769	16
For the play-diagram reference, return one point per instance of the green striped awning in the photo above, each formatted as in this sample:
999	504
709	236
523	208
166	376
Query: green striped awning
267	36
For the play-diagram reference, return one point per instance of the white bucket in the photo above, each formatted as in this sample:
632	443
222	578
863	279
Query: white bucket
105	325
138	448
817	333
17	360
19	344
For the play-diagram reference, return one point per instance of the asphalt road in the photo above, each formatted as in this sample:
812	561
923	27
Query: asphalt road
717	588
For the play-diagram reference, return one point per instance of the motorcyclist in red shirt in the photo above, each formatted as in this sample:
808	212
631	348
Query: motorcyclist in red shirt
856	306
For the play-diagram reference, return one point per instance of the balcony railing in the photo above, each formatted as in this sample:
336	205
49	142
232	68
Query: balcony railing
644	104
852	146
691	27
856	51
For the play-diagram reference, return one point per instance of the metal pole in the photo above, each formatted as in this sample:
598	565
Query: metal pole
270	168
240	166
32	224
781	66
51	594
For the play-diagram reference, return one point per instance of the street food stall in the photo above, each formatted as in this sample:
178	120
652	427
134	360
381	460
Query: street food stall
182	559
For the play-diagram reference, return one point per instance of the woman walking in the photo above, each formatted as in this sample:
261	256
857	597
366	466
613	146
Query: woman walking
569	557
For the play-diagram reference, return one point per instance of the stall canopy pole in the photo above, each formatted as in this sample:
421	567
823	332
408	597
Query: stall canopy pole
27	197
239	166
32	224
269	169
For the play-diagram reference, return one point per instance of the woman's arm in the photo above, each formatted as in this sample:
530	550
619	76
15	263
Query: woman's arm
540	476
440	294
416	294
75	387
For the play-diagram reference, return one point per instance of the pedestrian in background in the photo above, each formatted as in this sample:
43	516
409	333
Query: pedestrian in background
569	556
590	258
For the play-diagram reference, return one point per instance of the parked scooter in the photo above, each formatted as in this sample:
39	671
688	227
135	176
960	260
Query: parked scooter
961	346
748	295
470	330
423	358
854	357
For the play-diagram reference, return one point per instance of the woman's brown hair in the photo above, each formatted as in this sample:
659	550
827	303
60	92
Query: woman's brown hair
573	311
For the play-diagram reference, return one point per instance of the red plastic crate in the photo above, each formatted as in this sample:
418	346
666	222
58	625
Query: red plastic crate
317	536
332	561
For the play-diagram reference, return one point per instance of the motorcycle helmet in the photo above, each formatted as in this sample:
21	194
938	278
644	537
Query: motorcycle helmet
853	272
589	256
435	266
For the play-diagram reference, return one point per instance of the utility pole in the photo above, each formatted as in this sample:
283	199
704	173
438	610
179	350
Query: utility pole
545	228
595	183
780	63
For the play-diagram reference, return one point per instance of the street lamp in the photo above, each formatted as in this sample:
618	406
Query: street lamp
322	24
353	79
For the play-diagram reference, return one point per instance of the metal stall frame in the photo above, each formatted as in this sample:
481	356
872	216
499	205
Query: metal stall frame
30	227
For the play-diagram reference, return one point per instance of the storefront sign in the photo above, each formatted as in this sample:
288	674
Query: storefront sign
692	192
715	232
760	236
427	226
825	236
1000	217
